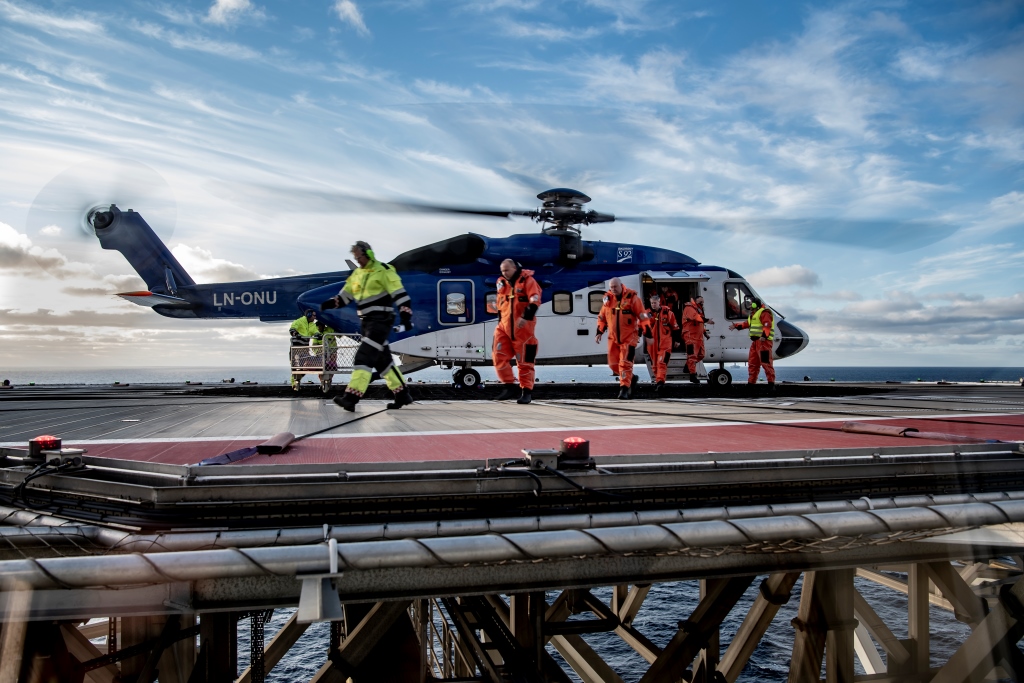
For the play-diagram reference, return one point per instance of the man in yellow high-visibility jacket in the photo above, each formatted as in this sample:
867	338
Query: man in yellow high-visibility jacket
301	331
376	290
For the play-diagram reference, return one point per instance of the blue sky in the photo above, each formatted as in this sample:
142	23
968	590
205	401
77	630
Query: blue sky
738	111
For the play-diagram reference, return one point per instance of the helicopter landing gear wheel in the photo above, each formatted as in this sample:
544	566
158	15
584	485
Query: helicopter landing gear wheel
720	378
466	378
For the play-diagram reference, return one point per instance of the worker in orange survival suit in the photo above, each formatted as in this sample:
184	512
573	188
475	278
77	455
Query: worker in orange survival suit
660	339
621	314
517	303
761	324
694	334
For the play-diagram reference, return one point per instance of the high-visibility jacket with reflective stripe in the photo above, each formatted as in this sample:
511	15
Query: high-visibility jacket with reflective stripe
321	337
760	322
376	287
305	328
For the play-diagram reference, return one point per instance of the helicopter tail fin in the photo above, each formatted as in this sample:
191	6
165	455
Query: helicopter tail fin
128	233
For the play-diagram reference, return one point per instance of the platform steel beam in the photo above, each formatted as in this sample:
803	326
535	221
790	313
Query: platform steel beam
694	632
706	663
896	653
837	607
967	606
775	592
367	633
278	646
12	630
809	640
80	648
218	637
582	658
918	627
866	652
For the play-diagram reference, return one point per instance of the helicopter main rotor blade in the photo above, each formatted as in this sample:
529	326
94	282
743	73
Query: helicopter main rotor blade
896	235
328	201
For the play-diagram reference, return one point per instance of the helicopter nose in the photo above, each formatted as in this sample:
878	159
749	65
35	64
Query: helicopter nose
793	340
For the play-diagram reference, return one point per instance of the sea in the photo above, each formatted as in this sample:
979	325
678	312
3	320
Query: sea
667	603
545	373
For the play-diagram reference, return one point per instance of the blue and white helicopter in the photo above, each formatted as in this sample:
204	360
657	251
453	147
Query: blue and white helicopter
452	281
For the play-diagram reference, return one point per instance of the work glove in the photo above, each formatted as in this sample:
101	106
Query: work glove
333	302
294	333
405	314
648	334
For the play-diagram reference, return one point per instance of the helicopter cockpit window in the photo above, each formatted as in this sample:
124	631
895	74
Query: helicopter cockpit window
737	301
491	301
561	303
595	301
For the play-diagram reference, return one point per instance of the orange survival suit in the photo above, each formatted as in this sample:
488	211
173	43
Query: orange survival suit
517	305
620	317
660	338
694	320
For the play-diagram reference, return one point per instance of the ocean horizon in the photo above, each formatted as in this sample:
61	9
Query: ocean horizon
545	374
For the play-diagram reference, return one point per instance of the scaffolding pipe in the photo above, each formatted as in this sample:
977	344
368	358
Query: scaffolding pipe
42	529
532	546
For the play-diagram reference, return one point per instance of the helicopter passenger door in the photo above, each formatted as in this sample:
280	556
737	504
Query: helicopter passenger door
681	286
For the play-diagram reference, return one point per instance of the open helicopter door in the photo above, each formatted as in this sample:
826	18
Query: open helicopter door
683	285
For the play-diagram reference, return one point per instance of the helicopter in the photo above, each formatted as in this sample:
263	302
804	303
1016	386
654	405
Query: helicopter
452	287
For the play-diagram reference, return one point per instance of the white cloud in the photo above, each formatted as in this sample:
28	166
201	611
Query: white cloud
348	12
19	256
652	79
547	32
203	266
196	42
54	24
785	276
444	90
901	318
226	12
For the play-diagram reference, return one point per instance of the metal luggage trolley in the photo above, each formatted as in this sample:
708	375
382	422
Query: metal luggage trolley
339	358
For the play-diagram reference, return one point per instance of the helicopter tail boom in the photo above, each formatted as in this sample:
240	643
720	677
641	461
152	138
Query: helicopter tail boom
128	233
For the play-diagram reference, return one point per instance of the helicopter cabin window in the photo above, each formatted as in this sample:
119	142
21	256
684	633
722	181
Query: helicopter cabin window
561	303
737	301
455	303
491	302
595	301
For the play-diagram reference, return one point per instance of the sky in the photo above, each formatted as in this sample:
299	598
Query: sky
906	112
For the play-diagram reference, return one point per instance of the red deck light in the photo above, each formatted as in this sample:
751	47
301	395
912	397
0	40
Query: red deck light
574	450
44	442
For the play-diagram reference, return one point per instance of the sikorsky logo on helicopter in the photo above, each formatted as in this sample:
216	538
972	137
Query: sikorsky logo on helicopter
244	298
624	255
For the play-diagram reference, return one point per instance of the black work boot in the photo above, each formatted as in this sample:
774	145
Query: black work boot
694	379
658	386
402	398
526	397
348	401
633	381
623	393
510	391
771	387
